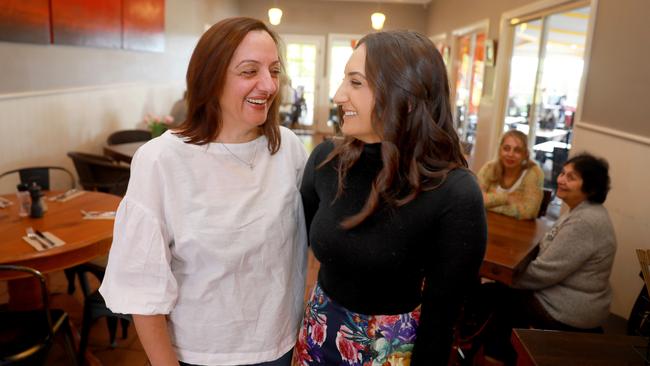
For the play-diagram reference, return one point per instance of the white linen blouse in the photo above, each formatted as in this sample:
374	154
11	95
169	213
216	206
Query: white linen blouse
216	245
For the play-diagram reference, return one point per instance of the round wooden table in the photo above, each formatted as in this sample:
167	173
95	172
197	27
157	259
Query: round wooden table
85	240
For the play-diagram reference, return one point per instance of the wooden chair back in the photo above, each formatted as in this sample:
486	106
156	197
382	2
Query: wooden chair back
644	261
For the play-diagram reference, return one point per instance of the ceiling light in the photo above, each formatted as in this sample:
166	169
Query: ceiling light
275	16
377	20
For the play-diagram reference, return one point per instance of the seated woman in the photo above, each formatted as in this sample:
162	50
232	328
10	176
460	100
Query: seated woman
512	185
566	287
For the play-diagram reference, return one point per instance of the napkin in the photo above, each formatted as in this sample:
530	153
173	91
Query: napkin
37	244
5	202
66	196
98	215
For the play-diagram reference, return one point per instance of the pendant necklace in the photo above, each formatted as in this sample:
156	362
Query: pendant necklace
250	164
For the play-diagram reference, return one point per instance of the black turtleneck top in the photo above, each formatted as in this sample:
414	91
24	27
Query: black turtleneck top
378	266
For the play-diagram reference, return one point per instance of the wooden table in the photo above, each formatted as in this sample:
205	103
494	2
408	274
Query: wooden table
511	245
552	348
123	152
85	240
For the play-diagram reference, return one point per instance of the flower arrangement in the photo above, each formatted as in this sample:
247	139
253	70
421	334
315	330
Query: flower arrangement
157	124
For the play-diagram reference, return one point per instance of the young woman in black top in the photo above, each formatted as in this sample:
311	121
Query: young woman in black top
394	216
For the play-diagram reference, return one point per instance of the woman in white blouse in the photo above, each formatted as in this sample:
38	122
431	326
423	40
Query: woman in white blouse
209	244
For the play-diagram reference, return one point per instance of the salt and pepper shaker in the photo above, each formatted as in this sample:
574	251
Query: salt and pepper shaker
37	201
24	200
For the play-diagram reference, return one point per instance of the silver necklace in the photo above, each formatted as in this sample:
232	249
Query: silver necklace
250	164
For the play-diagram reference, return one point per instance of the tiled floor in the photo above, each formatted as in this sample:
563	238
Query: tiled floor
128	352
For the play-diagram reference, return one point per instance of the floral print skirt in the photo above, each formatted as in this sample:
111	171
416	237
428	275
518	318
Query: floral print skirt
334	336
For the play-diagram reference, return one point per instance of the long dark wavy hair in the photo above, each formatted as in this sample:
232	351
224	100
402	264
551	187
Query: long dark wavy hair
206	76
412	116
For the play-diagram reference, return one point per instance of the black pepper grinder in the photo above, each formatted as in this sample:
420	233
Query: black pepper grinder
36	210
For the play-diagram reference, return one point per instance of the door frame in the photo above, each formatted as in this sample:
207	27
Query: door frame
504	52
320	92
454	64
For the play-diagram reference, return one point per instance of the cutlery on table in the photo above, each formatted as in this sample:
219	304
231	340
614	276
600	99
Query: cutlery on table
98	213
45	238
64	195
32	235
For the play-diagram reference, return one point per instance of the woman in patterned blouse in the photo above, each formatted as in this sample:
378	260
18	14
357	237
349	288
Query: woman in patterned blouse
512	185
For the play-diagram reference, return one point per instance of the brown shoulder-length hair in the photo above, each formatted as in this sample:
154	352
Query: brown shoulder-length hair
412	116
206	75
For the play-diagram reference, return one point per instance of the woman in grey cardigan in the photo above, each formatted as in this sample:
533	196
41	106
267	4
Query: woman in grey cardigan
566	287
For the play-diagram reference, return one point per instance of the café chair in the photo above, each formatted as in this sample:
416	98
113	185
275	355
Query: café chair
100	173
27	336
40	175
97	173
644	262
95	307
126	136
638	323
546	199
560	156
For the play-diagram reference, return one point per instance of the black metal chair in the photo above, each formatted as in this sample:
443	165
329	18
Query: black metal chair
95	307
27	336
560	156
99	173
40	175
546	199
125	136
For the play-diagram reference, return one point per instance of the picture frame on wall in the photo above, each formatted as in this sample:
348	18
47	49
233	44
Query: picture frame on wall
490	52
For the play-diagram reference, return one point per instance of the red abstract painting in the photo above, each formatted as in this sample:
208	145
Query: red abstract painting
129	24
25	21
95	23
144	25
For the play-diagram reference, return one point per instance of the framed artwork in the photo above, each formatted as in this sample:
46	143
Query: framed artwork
128	24
490	52
87	23
144	25
25	21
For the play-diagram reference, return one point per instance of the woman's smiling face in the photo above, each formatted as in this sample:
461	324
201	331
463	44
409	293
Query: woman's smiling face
512	152
357	99
252	80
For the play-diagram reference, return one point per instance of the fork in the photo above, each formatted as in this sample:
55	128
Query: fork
32	235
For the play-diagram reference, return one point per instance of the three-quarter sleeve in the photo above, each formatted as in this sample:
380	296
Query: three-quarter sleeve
138	277
452	271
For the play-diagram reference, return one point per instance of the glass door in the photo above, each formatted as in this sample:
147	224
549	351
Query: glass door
302	64
469	84
340	50
545	73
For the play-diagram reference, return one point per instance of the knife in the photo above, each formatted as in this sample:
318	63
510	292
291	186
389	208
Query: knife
45	238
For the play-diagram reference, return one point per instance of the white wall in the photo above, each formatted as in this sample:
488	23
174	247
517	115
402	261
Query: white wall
55	99
628	203
39	128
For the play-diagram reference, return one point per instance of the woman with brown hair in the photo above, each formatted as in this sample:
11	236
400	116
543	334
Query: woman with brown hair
395	218
512	184
209	245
